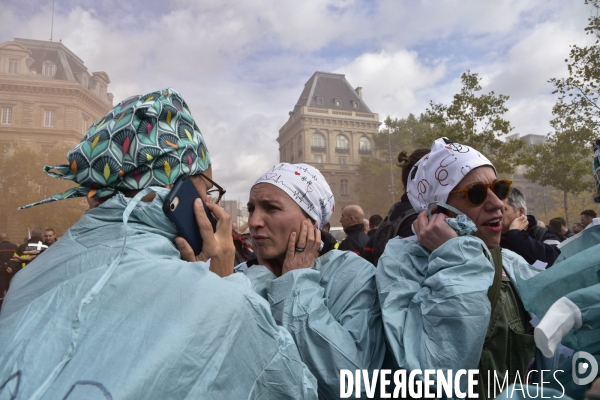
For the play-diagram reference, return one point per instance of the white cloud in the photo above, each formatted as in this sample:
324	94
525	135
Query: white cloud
241	65
392	82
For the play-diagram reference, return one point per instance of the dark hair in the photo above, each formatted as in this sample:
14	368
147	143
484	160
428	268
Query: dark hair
49	229
555	224
406	162
375	220
561	220
589	213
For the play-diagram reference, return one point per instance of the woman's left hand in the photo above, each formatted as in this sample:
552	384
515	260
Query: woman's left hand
301	252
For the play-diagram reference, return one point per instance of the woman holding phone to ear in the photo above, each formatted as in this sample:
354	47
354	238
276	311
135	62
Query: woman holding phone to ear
449	297
327	302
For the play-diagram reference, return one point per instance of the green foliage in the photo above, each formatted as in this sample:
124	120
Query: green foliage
23	181
474	120
565	161
374	182
578	103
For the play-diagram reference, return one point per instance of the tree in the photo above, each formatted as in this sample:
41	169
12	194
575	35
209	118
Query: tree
476	121
562	162
565	160
23	181
578	104
374	186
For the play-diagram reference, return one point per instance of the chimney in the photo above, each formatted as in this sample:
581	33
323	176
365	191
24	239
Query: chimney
358	91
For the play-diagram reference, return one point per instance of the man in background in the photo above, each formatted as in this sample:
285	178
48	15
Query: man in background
367	251
49	237
352	223
587	216
521	233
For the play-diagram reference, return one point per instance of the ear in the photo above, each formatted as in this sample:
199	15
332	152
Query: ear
521	211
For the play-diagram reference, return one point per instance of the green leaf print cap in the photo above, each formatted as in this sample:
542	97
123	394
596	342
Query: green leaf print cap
147	140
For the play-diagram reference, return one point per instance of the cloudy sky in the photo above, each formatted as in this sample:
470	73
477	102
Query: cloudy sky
242	64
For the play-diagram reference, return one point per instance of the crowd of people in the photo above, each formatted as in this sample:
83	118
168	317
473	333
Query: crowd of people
122	307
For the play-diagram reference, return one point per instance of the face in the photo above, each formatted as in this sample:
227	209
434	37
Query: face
346	220
49	237
586	220
273	216
509	216
486	216
575	228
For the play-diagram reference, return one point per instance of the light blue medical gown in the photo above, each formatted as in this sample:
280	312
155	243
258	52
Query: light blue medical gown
434	305
155	328
331	310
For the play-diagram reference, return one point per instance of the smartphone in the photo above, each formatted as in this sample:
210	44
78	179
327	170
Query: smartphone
179	208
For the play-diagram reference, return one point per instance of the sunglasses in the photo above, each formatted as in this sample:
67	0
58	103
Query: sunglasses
477	192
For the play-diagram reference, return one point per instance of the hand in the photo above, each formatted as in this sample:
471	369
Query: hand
309	239
217	246
25	260
434	232
519	223
9	270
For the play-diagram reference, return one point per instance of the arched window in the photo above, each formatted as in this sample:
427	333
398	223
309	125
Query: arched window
341	144
317	143
344	188
318	140
364	145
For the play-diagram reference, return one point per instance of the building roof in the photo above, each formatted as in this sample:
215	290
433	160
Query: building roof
67	63
327	90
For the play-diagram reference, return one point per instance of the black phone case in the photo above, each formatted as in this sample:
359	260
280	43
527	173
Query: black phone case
183	216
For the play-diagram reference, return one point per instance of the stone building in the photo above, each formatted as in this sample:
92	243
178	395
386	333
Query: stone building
48	98
330	128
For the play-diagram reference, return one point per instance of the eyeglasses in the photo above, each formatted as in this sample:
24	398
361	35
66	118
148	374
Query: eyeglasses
477	192
217	188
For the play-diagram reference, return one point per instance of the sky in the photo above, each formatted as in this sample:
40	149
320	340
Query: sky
242	64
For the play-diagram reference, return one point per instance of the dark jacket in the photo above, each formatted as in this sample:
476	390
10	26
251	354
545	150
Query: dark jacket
7	249
525	244
356	239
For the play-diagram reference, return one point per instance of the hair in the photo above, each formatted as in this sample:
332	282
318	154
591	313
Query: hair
406	162
326	227
37	232
561	220
555	224
579	224
375	220
50	229
516	200
589	213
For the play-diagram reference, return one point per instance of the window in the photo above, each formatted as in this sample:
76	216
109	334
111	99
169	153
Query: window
102	90
318	140
318	159
344	188
48	70
364	146
338	102
84	126
5	148
13	66
49	118
46	148
319	101
341	142
6	116
355	103
341	160
84	81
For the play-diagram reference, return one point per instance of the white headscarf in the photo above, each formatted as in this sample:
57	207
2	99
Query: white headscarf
306	186
434	176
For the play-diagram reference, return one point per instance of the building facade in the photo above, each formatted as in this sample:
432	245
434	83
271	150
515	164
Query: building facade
48	99
330	128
